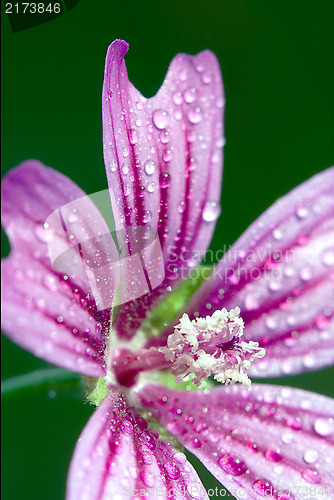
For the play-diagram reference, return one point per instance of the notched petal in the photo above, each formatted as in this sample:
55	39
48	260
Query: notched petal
281	274
49	305
271	442
163	160
118	456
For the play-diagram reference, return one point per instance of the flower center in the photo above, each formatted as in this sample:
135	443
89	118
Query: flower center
211	345
196	349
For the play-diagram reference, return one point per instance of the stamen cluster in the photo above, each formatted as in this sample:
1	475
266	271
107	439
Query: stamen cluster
211	345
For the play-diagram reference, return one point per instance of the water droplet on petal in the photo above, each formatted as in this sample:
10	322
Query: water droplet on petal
177	98
160	118
151	187
180	457
172	470
311	476
294	423
43	233
263	487
232	465
167	156
327	257
207	77
148	478
273	455
133	137
196	443
275	285
183	75
211	211
324	426
302	212
147	216
164	180
189	95
149	167
277	234
305	273
251	301
322	322
195	115
164	137
310	456
252	447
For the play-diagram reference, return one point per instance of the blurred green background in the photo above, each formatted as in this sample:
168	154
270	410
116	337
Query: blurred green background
276	59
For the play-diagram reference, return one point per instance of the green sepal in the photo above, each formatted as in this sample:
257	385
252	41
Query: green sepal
172	306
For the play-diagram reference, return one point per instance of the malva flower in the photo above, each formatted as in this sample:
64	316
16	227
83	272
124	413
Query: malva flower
270	292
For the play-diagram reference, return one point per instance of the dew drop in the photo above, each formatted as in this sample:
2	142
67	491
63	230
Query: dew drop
191	136
177	98
207	77
160	118
322	322
183	75
310	456
167	156
271	323
195	115
252	447
275	285
181	207
263	486
189	95
211	211
327	257
324	426
148	478
273	455
151	187
180	457
196	443
113	166
305	273
232	465
43	233
148	439
164	180
125	169
277	234
133	137
172	470
302	212
164	137
126	426
251	301
311	476
294	423
149	167
147	216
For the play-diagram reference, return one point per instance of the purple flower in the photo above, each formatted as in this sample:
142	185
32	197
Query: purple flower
163	160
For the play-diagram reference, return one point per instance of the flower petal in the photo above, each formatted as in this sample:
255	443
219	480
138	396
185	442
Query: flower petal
50	312
163	160
281	274
117	456
268	442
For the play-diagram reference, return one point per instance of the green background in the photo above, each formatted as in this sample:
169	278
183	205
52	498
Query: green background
276	59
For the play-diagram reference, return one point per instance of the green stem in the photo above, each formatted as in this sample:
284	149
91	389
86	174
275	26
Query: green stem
37	378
